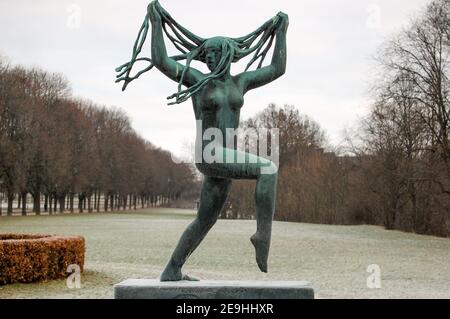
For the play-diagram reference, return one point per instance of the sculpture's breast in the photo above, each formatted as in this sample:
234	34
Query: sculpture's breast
219	95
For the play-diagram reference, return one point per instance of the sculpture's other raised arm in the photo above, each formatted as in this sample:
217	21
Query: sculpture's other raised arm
253	79
161	60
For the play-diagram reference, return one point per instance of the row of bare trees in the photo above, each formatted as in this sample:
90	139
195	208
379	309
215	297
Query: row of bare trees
407	132
395	171
66	152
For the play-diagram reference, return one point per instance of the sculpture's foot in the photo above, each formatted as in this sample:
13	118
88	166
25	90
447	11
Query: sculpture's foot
189	278
172	273
262	250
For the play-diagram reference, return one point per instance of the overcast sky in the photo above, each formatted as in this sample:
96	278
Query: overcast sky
330	47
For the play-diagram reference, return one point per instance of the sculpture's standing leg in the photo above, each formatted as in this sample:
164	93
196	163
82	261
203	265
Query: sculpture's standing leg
265	194
212	198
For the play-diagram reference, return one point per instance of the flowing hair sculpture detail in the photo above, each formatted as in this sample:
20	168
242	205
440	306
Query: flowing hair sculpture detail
191	46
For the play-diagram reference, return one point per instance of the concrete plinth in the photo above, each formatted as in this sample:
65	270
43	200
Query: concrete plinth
209	289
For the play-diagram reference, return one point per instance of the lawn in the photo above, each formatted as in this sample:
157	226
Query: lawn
137	244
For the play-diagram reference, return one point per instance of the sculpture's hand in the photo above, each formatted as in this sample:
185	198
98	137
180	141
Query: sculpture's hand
283	21
153	12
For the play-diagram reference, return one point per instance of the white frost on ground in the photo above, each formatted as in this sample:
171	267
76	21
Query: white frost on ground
334	258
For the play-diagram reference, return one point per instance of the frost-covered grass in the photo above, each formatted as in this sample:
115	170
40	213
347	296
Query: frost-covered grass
334	258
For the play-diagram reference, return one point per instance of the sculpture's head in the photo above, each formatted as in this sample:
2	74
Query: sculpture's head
213	52
218	52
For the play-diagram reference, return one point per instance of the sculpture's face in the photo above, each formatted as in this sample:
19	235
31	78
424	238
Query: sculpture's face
213	52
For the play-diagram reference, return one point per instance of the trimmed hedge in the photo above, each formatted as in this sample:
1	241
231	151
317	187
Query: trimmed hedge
29	258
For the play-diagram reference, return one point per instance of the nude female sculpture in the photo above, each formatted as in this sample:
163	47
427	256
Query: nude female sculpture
217	98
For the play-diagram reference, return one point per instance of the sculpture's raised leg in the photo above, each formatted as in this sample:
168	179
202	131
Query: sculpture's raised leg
265	206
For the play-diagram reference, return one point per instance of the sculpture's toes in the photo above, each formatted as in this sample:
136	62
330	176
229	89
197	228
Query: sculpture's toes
262	251
189	278
170	274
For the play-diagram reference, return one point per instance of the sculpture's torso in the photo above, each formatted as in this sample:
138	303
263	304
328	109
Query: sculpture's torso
218	104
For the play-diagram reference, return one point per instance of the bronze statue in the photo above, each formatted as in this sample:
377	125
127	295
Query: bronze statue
217	98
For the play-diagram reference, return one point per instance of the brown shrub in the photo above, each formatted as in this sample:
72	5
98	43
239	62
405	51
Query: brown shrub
29	258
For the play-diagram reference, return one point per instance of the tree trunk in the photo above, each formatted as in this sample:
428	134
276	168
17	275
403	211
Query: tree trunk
24	203
46	203
37	203
89	199
10	203
71	202
98	201
80	203
55	203
50	204
95	200
105	199
62	203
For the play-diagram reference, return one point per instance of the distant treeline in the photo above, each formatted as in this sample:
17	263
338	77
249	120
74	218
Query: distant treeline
63	150
395	171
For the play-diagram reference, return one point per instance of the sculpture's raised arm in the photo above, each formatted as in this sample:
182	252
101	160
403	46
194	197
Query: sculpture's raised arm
161	60
253	79
192	47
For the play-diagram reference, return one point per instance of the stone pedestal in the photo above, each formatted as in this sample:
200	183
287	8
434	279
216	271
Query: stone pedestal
209	289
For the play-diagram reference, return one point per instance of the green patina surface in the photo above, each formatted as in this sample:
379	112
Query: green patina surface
217	98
